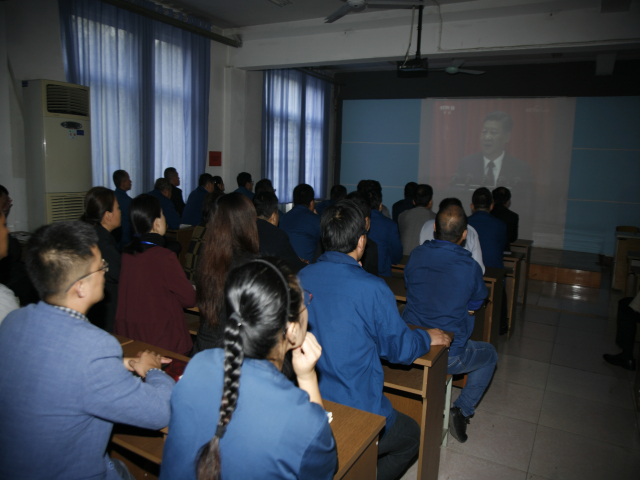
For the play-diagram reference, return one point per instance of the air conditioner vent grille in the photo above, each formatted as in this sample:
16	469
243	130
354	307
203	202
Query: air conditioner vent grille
65	206
67	100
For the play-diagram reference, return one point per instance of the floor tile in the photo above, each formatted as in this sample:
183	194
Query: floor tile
530	348
512	400
591	419
539	331
541	315
580	322
562	455
580	338
591	386
533	298
458	466
521	371
549	302
584	358
504	440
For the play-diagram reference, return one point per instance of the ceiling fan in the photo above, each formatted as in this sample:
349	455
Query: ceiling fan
455	68
360	5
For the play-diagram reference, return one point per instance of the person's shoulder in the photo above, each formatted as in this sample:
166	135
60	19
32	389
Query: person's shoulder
475	157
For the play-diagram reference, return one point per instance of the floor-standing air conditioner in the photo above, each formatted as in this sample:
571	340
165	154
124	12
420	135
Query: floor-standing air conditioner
57	128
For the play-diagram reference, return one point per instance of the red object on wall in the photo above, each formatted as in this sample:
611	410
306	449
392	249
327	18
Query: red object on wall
215	159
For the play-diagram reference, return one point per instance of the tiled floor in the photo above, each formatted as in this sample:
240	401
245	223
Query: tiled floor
555	409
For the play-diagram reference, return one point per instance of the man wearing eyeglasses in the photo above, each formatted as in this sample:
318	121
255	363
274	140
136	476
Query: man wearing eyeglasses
64	381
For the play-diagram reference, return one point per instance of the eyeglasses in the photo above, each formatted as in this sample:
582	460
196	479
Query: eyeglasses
308	296
104	266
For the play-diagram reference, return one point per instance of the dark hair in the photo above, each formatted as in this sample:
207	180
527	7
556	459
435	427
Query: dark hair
445	202
372	191
143	211
266	204
217	180
210	205
119	176
482	198
3	190
231	233
502	117
423	195
342	225
451	222
169	173
243	178
162	184
303	195
58	253
264	185
256	296
97	202
361	203
501	195
410	190
338	192
205	179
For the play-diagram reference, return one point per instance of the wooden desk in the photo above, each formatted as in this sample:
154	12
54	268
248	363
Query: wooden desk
183	237
512	263
131	350
524	246
490	321
400	266
397	287
123	340
419	391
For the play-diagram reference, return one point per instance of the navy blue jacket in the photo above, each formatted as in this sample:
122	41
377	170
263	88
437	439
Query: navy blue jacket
244	191
303	228
355	318
192	214
493	237
443	283
322	206
384	232
170	214
275	431
123	201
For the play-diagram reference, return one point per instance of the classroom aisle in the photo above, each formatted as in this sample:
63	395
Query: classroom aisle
555	409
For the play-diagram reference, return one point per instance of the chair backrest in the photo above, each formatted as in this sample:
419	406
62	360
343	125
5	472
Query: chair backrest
627	228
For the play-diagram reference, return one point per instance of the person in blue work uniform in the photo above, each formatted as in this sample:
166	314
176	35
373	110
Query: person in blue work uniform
338	192
355	318
162	191
245	184
444	289
235	412
122	182
302	224
193	210
384	231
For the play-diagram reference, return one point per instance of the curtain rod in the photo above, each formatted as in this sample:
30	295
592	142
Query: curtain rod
145	12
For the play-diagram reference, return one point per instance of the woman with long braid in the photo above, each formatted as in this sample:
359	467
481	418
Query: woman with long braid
234	413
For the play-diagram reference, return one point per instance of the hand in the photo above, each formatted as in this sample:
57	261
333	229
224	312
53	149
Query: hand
472	312
438	337
145	361
305	357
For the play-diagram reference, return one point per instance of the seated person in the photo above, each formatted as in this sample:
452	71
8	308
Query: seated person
64	382
406	203
122	182
337	193
162	191
302	224
218	183
8	300
628	318
501	204
274	242
384	231
193	210
242	392
209	207
245	185
471	243
265	185
171	176
153	288
444	288
102	212
355	318
411	221
364	183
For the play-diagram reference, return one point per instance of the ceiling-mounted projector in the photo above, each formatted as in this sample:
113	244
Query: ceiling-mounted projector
416	67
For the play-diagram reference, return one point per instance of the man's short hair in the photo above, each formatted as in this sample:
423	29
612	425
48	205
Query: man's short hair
451	222
342	225
482	198
205	179
410	190
502	117
119	176
169	173
263	185
59	253
162	184
338	192
243	178
303	195
372	191
445	202
3	191
501	195
266	204
423	195
361	203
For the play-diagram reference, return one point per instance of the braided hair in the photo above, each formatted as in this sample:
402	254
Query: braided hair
262	298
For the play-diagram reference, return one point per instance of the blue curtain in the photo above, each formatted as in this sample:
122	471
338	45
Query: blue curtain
295	127
149	91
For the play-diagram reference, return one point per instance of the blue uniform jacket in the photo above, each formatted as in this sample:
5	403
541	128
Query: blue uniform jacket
356	321
124	200
384	232
192	214
493	237
63	386
322	206
303	228
443	283
275	431
244	191
170	214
